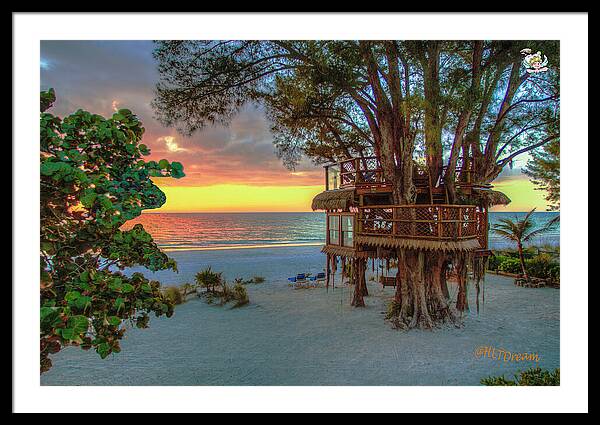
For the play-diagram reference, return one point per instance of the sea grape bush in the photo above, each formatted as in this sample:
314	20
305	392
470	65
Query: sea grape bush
541	266
93	179
534	376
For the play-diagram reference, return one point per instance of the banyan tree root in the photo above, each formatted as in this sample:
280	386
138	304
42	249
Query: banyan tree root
363	287
479	269
360	283
421	299
460	267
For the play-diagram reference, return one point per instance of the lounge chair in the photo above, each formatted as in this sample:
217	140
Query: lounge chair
319	277
298	280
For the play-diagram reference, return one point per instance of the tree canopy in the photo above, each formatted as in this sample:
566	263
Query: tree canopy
442	106
400	100
544	170
93	180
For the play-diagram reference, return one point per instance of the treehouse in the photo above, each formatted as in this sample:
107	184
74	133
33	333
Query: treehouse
363	222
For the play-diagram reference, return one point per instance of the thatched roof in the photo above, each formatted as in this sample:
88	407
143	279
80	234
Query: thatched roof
492	197
423	244
333	199
342	251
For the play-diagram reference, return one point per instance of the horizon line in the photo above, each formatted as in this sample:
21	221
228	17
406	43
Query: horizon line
291	212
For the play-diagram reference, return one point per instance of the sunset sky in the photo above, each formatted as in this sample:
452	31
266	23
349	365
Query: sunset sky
230	168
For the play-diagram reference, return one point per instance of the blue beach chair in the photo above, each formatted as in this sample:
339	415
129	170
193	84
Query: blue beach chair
319	277
298	280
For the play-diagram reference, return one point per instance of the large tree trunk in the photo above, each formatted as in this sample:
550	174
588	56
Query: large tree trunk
421	292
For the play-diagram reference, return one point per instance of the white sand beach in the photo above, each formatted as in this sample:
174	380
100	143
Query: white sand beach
313	337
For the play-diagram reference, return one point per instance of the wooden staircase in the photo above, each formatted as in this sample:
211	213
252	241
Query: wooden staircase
439	195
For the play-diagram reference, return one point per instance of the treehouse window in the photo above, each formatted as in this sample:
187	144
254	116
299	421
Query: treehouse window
333	178
347	230
334	229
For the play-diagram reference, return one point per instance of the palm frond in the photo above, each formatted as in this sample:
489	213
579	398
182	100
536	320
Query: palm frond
505	234
535	233
554	222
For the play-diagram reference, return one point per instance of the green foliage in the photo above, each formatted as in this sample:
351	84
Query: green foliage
542	266
174	295
208	279
219	290
240	295
187	289
510	265
519	230
331	99
494	261
544	170
530	377
93	180
254	280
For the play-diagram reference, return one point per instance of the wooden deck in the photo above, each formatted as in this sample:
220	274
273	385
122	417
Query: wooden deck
429	227
366	176
434	222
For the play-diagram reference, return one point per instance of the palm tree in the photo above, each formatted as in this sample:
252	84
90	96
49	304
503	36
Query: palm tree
519	231
208	279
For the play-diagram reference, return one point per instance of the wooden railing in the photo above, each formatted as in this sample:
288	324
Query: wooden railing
367	171
361	171
436	222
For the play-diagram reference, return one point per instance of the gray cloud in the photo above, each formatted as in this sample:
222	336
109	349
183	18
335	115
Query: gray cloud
93	74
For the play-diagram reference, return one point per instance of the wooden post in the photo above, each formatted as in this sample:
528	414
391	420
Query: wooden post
327	228
485	227
354	230
460	222
440	227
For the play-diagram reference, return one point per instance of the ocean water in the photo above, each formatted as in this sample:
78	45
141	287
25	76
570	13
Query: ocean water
550	238
182	231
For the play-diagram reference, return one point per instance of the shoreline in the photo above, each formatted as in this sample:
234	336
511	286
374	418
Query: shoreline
227	247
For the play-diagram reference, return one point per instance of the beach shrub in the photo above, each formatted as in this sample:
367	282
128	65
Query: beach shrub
208	279
531	377
513	253
240	295
510	265
253	280
187	289
93	179
226	294
495	261
174	295
543	266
